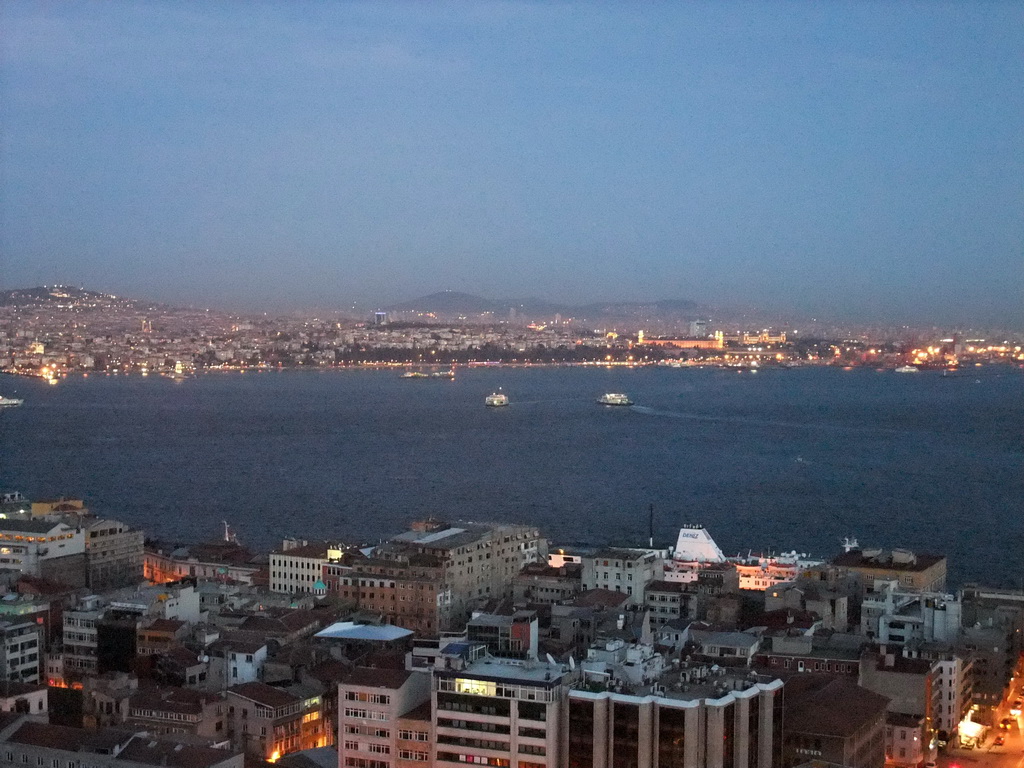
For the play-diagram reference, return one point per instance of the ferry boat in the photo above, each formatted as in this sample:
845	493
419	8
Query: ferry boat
10	402
443	374
496	399
695	550
908	369
613	398
414	375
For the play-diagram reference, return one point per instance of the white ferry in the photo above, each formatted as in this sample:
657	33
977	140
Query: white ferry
908	369
10	402
612	398
696	550
496	399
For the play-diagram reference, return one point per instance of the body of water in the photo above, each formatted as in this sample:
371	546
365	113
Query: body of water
780	459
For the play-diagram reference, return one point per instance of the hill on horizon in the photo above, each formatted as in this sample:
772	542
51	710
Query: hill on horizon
451	302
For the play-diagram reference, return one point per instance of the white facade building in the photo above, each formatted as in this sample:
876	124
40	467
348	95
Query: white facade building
26	545
623	570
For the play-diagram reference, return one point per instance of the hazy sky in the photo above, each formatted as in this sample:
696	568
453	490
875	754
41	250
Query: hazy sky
855	159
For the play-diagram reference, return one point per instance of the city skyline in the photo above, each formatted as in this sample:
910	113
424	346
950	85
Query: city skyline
859	162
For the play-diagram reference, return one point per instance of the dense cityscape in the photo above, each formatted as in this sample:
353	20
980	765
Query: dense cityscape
511	384
469	642
52	332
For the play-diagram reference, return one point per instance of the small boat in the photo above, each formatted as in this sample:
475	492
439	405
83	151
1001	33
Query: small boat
614	398
443	374
908	369
414	375
10	402
496	399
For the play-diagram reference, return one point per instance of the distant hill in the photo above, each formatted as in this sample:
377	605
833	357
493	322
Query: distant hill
53	294
454	302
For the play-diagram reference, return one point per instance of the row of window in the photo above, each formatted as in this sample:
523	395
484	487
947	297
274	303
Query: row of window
372	698
365	714
413	735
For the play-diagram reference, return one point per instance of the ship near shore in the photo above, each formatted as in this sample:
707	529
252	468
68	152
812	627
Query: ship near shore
10	402
696	550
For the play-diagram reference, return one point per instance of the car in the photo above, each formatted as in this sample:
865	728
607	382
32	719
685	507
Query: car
1005	723
1000	740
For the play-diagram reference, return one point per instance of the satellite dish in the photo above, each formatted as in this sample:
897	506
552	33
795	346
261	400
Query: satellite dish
550	659
572	663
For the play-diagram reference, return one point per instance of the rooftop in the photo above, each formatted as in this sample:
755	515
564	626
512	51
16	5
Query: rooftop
264	694
508	670
622	553
347	630
888	560
16	525
372	677
830	706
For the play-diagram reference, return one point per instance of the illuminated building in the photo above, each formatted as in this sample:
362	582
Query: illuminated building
40	547
267	722
498	712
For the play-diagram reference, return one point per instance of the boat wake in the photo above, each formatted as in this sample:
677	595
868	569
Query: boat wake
757	422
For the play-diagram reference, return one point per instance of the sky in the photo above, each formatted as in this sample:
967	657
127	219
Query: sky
855	160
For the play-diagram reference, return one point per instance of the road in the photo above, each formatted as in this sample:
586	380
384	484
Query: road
1010	755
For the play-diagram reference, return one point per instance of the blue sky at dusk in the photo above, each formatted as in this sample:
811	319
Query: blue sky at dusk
857	160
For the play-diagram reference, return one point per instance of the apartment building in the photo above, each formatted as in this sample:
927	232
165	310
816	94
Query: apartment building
21	651
166	710
912	571
670	601
623	570
43	548
498	711
911	685
478	561
113	554
26	743
267	722
892	615
375	729
80	643
299	567
223	561
833	720
407	588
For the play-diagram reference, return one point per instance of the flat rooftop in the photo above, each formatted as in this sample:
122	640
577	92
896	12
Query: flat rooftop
507	670
689	682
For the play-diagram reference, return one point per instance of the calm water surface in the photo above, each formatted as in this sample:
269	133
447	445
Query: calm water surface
781	459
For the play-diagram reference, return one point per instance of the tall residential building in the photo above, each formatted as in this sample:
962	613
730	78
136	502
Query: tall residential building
21	651
113	554
456	567
531	714
373	706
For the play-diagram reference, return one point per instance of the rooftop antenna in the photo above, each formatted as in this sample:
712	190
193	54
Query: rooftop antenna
650	526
